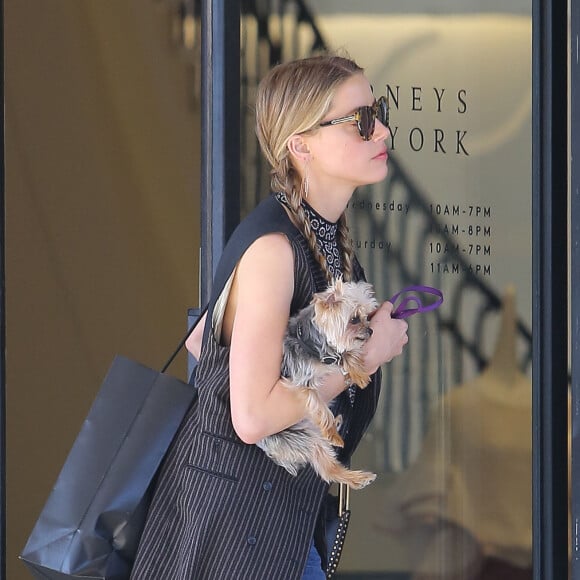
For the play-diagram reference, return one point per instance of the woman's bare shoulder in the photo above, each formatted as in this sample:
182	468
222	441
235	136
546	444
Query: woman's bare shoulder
270	256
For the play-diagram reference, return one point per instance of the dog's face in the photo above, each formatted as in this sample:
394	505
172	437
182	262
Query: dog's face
341	314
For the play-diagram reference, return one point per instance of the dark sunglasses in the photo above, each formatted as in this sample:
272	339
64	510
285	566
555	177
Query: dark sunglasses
365	118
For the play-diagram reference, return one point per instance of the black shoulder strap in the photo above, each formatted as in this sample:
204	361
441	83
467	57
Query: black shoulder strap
183	340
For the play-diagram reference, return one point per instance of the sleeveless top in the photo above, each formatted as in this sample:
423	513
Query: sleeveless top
221	508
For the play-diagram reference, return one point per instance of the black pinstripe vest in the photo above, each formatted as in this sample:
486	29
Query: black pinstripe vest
222	510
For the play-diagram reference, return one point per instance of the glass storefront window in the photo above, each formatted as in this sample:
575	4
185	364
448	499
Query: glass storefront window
451	440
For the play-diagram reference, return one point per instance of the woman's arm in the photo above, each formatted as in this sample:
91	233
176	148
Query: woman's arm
254	324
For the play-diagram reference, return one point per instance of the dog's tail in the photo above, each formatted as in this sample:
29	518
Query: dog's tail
331	470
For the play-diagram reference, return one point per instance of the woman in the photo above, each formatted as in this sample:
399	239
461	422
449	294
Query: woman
222	509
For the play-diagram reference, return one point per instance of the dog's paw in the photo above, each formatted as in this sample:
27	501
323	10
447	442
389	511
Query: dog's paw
360	479
331	434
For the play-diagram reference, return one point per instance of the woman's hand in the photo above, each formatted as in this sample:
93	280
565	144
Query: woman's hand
388	338
387	341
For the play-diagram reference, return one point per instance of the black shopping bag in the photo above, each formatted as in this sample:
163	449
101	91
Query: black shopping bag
91	524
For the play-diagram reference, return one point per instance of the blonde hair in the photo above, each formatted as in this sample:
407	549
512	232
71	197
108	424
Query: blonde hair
294	98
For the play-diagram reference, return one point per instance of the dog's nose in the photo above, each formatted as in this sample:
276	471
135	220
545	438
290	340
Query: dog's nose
370	331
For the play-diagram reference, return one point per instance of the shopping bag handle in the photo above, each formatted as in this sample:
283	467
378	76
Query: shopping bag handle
183	340
402	310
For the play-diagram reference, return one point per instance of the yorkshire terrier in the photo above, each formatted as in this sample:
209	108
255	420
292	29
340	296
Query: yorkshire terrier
326	335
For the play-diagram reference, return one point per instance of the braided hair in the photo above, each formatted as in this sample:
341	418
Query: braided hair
293	98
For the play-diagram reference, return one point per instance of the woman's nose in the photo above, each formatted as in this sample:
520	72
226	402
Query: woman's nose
381	131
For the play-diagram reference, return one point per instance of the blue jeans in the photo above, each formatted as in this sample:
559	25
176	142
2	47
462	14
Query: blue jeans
313	570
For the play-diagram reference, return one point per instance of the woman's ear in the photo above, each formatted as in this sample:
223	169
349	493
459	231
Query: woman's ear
299	149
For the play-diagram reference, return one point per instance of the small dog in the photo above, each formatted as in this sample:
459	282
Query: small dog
327	334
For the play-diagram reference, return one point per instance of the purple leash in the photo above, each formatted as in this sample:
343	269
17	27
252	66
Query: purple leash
402	310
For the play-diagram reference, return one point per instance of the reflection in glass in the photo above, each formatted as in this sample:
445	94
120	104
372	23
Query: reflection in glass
465	503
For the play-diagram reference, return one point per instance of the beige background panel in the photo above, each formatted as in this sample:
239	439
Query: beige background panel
102	235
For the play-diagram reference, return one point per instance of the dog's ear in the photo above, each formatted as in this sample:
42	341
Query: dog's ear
334	293
338	286
331	299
